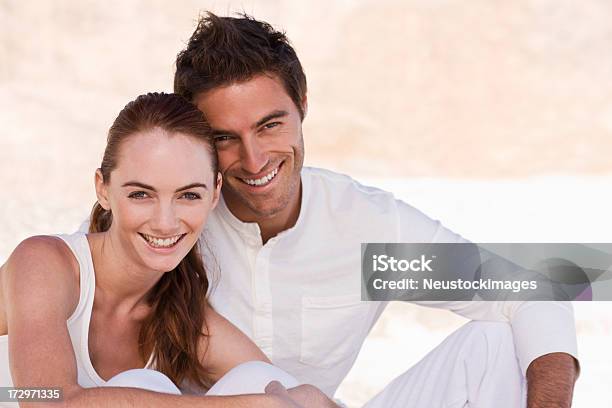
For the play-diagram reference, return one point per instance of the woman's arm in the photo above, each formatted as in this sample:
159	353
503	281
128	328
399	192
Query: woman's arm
229	347
226	346
41	292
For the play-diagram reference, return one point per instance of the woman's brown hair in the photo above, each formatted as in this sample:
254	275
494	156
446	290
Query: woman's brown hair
173	330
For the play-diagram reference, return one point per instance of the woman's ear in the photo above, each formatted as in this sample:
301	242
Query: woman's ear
101	190
217	192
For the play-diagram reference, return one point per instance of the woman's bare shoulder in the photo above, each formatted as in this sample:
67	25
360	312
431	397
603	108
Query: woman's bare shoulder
43	254
40	264
42	246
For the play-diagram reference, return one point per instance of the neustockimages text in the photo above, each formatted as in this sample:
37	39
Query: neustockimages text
385	263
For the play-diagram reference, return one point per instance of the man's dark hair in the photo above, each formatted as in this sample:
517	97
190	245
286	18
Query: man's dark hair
225	50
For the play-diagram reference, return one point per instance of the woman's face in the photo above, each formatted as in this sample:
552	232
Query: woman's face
160	195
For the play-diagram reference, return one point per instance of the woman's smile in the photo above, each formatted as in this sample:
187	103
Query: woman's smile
164	245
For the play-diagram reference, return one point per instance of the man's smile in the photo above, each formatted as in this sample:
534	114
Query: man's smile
261	181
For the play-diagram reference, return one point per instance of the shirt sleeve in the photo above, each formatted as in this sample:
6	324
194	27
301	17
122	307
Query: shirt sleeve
539	328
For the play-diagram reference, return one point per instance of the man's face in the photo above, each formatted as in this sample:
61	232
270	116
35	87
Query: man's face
258	134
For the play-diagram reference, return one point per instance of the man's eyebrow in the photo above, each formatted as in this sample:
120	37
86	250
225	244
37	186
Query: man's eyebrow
272	115
221	132
148	187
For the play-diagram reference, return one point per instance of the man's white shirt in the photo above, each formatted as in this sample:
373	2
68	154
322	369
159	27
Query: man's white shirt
299	295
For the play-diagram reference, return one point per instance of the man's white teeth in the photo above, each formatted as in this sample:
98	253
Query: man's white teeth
262	181
161	242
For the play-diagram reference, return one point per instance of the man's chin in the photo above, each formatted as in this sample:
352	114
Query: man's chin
266	211
236	196
248	206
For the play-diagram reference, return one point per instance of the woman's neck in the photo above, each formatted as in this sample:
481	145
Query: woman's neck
121	283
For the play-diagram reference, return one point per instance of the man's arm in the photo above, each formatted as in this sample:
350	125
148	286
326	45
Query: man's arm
544	332
550	380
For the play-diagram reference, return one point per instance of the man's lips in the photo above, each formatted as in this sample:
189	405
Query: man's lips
261	180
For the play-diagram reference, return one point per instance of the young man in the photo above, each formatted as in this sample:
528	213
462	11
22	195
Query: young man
287	240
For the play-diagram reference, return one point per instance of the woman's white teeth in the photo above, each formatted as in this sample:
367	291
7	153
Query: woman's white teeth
162	242
261	181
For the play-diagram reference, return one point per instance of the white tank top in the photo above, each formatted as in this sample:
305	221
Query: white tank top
78	323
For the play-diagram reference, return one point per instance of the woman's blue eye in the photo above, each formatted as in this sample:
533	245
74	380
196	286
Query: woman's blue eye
138	195
192	196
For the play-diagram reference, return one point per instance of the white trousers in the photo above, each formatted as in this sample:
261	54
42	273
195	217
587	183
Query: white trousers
474	367
246	378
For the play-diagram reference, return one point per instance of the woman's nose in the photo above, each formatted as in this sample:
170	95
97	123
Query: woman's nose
165	222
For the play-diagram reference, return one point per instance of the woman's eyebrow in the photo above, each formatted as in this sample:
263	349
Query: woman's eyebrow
148	187
192	185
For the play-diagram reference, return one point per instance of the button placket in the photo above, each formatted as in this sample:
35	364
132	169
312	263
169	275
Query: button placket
262	319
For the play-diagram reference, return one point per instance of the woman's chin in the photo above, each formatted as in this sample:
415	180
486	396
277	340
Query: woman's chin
165	259
162	265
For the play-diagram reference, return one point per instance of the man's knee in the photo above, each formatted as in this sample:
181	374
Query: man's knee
491	343
491	332
488	339
491	357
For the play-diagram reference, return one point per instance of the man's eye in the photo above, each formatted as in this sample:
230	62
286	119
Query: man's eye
271	125
222	138
192	196
138	195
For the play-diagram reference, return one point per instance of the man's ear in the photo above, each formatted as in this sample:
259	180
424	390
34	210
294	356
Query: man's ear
101	190
217	191
304	105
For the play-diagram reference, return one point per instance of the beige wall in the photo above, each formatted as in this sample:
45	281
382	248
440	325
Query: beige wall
433	88
436	88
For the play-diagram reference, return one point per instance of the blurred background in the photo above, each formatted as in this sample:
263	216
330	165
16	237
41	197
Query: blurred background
494	117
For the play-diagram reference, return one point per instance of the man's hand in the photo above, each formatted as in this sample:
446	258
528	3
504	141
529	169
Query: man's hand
277	390
550	381
310	396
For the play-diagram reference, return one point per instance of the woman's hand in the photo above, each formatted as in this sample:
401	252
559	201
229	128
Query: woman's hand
301	396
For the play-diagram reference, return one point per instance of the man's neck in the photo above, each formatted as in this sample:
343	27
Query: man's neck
275	224
272	225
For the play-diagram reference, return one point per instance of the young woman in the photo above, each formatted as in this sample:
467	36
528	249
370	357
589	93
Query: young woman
95	313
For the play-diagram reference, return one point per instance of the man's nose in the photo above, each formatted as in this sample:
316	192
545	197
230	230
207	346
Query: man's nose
253	157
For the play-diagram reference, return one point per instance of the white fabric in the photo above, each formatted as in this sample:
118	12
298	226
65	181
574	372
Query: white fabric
474	367
78	323
298	296
145	379
246	378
